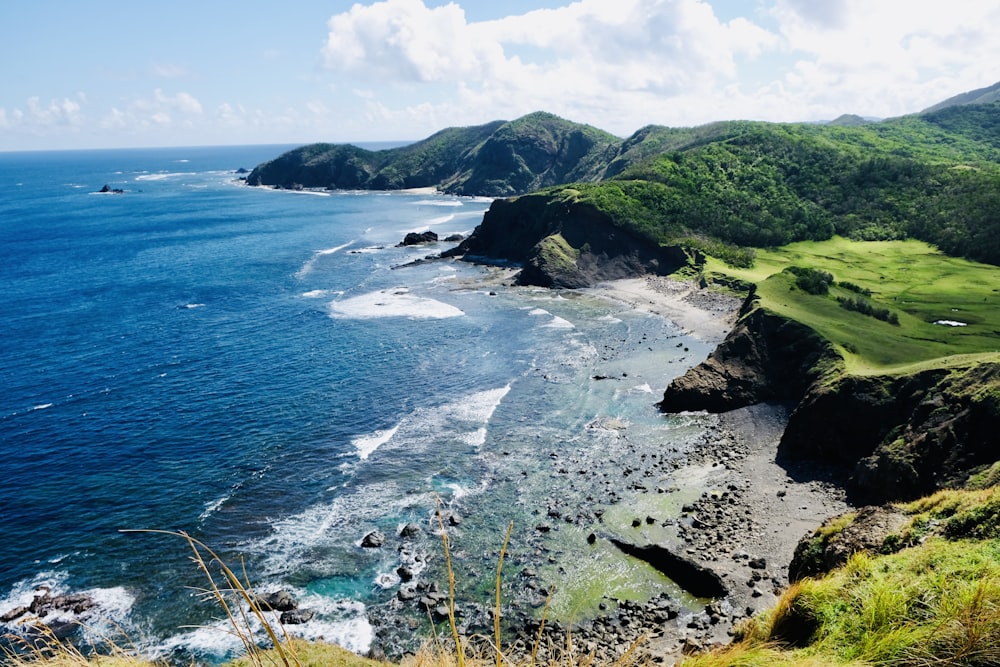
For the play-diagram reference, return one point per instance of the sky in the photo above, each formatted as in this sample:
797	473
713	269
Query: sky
122	73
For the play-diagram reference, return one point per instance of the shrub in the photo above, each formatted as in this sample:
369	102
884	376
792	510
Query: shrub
812	281
866	307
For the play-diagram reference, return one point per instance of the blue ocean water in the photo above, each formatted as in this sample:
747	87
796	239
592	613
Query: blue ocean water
258	368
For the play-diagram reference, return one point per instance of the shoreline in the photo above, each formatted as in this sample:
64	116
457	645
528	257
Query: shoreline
751	512
704	314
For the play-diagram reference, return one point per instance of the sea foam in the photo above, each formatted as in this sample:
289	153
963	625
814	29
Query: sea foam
396	302
366	444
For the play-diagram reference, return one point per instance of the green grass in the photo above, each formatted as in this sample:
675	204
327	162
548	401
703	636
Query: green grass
910	278
936	604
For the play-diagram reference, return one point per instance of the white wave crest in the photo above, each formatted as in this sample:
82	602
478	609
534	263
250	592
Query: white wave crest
162	176
342	622
311	262
438	202
110	611
559	323
366	444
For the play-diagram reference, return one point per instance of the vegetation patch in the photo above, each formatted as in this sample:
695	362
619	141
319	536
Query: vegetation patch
937	604
911	280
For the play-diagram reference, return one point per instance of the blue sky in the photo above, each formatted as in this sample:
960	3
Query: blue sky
116	73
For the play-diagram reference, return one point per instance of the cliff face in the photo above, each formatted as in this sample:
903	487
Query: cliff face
901	436
564	244
764	358
904	436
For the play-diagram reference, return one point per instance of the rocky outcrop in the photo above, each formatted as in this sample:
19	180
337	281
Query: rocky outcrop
564	244
842	536
418	238
692	576
373	540
903	436
764	358
899	436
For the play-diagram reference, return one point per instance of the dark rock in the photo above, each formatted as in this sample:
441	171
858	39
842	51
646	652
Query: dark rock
764	358
454	238
405	573
409	530
418	238
693	577
107	189
373	540
277	601
757	563
15	613
297	616
562	244
75	603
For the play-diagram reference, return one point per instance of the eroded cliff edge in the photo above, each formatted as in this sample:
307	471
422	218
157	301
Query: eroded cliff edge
899	436
566	244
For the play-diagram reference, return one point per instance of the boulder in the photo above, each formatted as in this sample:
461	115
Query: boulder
831	545
277	601
693	577
418	238
297	616
373	540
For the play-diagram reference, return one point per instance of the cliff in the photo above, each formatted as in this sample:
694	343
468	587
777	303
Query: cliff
899	436
564	243
764	358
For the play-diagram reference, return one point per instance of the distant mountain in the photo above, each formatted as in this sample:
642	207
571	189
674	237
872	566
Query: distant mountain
848	120
979	96
497	159
727	188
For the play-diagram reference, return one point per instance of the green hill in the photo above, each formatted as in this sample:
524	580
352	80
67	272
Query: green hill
496	159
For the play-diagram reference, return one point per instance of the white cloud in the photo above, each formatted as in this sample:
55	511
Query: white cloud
607	63
158	110
894	56
39	116
624	64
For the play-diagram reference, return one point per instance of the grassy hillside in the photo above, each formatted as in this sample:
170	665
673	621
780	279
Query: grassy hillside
911	279
929	595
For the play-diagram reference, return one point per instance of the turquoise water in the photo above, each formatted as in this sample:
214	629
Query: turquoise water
256	368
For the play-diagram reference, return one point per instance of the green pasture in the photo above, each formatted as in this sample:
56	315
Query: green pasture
910	278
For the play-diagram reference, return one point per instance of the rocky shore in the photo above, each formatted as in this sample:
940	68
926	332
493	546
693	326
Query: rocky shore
744	526
747	515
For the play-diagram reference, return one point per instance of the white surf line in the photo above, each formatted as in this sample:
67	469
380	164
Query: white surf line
308	266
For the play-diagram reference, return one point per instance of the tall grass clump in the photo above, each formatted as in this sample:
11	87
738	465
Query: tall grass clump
935	604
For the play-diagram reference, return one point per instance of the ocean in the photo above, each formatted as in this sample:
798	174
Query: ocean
268	372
